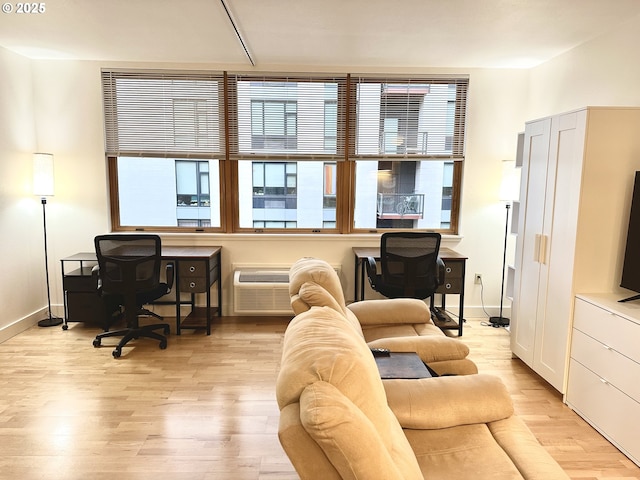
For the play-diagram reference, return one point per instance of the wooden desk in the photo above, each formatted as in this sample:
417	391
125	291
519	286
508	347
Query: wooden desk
455	265
197	268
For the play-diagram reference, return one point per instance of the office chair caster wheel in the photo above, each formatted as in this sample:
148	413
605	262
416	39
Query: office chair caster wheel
65	326
96	342
116	353
163	344
167	330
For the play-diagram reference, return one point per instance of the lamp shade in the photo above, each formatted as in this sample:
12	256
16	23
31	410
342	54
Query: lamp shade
510	185
43	174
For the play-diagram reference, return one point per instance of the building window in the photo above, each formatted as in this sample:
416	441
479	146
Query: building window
273	125
408	140
283	152
330	185
192	183
330	125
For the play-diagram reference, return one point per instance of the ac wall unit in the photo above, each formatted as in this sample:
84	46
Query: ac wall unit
261	292
263	289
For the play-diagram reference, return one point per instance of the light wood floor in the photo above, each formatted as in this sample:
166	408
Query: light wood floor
204	408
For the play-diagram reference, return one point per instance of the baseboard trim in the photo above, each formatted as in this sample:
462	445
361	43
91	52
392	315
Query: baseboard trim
21	325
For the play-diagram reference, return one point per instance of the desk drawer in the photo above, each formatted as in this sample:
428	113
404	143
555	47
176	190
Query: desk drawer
192	268
80	281
450	286
453	269
85	307
453	277
193	285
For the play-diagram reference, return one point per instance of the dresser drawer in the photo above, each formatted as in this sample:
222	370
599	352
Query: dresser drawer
608	364
612	412
608	328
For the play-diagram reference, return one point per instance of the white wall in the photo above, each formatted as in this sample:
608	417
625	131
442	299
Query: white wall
22	284
604	72
69	121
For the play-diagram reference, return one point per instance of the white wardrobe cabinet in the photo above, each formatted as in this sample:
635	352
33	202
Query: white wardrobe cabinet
576	185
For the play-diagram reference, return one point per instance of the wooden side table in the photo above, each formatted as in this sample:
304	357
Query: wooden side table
407	365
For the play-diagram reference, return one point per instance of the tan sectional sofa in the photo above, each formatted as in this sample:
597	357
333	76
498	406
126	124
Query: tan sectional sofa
338	420
401	325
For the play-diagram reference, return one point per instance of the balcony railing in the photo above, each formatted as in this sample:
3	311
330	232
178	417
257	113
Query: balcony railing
400	206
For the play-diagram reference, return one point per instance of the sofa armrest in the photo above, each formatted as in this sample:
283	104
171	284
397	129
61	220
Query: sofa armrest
443	402
390	311
430	348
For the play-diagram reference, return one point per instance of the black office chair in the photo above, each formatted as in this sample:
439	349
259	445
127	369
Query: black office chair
410	265
129	274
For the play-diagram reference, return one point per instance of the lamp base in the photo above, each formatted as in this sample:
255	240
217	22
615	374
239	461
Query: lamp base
50	322
499	321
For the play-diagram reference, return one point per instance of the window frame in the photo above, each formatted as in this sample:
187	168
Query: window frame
345	156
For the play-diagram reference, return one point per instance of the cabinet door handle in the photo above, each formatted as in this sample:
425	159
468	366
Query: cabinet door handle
543	249
606	347
540	248
604	381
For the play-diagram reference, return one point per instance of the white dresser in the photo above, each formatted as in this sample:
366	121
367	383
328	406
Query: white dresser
604	368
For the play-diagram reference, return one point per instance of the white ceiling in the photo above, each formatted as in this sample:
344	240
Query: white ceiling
315	33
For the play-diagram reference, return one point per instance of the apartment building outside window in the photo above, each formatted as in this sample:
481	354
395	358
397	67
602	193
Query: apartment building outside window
300	151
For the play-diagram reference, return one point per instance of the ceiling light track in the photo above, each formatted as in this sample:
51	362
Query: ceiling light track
233	24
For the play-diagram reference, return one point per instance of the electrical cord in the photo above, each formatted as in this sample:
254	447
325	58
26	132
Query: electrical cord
484	323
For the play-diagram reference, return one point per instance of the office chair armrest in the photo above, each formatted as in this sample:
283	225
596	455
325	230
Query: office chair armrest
441	271
372	270
170	274
95	273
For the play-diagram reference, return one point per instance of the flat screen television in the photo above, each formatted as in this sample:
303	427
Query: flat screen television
631	265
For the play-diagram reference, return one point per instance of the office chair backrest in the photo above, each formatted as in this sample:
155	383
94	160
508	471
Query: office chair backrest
128	262
409	262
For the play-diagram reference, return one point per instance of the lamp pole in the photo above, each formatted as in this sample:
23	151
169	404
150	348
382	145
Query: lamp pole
501	321
51	321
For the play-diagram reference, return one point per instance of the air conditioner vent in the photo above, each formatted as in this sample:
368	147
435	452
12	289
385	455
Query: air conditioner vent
262	290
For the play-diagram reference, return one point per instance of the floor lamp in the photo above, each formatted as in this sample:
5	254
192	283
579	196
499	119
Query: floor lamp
508	192
43	187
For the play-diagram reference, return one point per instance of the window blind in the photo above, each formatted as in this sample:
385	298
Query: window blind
408	118
286	117
164	114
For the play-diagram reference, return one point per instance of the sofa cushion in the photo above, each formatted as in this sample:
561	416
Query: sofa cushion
320	345
313	270
311	294
462	453
350	440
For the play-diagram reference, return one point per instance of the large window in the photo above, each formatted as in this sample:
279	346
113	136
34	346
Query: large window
238	153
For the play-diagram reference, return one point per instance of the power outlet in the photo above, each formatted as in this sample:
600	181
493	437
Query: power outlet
477	279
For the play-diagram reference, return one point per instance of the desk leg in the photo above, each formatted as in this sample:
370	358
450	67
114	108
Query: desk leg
356	284
219	284
208	310
177	288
